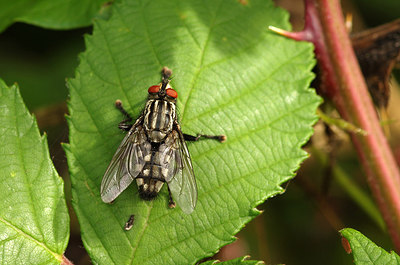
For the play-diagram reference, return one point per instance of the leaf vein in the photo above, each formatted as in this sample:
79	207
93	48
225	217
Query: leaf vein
29	237
23	166
200	64
244	92
250	132
141	233
89	219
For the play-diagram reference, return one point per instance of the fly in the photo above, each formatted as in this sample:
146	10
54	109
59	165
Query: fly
154	152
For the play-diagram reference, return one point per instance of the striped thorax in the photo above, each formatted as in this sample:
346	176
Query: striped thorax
159	117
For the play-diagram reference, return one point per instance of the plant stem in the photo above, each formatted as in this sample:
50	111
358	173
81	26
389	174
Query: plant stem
344	84
351	97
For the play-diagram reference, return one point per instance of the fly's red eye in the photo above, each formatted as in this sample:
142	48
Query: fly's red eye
172	93
154	89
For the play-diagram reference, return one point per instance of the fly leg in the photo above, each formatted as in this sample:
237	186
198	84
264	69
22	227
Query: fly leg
123	125
171	203
191	138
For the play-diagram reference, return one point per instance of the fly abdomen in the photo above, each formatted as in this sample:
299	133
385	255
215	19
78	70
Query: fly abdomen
152	177
148	187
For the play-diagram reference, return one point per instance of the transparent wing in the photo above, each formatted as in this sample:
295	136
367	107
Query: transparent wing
126	164
180	177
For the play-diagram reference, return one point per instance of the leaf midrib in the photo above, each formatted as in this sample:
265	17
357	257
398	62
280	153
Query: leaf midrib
200	64
22	164
29	237
182	111
189	97
146	224
193	82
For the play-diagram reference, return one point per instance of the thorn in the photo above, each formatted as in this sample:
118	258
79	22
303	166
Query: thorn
278	30
299	36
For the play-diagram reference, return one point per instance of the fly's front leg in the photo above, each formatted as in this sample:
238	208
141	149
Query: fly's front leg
123	125
191	138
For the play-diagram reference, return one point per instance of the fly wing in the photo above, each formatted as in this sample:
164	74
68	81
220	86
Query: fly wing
180	177
126	164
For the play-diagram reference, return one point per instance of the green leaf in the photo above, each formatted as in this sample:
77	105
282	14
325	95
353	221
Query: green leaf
233	77
60	14
366	252
34	221
239	261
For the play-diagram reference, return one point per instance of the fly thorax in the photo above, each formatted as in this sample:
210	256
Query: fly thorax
159	116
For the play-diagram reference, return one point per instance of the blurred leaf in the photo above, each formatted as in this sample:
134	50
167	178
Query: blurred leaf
39	60
34	222
241	260
61	14
366	252
233	77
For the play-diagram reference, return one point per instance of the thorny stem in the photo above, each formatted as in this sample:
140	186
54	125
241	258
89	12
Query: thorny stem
344	85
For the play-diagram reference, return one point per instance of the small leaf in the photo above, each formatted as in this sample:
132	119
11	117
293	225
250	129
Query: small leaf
34	221
233	77
366	252
60	14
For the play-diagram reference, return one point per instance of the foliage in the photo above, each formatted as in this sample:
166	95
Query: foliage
366	252
62	14
34	221
233	77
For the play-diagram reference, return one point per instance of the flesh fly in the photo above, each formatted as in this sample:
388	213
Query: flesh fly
154	152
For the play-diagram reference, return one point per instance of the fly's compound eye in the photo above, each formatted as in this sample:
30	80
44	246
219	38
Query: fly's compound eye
154	89
172	93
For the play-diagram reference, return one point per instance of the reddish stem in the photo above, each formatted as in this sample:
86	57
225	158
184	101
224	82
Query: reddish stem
66	261
344	84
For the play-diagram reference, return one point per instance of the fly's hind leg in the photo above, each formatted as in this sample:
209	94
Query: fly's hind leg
171	203
123	125
191	138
